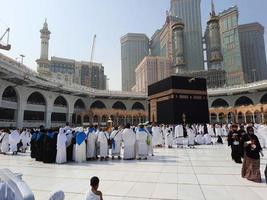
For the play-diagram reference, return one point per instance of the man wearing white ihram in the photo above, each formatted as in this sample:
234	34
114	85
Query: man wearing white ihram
25	137
14	139
61	147
157	136
4	138
141	140
116	139
91	143
129	138
103	139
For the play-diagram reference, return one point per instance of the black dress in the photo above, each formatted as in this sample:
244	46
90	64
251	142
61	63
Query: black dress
234	142
70	149
33	145
49	148
39	146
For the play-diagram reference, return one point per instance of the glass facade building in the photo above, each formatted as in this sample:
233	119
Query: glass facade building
134	47
232	61
253	52
190	13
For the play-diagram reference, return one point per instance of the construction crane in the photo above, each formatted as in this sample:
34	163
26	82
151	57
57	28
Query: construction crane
93	49
6	47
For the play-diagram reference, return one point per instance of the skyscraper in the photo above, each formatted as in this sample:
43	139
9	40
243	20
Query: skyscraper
134	47
189	12
253	51
232	62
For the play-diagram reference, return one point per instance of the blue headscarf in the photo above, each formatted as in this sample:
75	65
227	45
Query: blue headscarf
142	129
90	130
34	136
50	134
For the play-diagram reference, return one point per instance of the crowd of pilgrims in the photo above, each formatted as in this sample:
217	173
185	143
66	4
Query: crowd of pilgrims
80	144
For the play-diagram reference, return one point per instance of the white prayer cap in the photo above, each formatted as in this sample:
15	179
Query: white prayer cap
68	132
59	195
61	130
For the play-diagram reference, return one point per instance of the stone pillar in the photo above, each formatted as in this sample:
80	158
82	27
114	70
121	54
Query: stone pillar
19	118
48	115
262	117
217	118
253	117
69	117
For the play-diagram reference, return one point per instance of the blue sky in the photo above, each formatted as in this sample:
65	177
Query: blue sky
74	22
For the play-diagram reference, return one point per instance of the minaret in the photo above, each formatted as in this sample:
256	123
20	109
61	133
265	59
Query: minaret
213	40
43	62
178	47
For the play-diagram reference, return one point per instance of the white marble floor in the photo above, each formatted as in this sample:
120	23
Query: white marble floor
206	172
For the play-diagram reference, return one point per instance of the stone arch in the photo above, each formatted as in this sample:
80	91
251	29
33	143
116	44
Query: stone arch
119	106
79	104
263	99
138	106
257	117
36	98
104	119
219	103
222	118
95	119
98	105
240	118
243	101
79	119
213	117
60	101
86	119
231	117
10	94
249	117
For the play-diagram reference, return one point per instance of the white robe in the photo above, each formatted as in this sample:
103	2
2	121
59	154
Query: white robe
200	139
168	137
157	136
207	139
5	142
191	136
61	148
14	139
211	130
129	139
219	131
116	135
25	139
141	139
91	196
91	145
80	152
262	135
178	131
103	140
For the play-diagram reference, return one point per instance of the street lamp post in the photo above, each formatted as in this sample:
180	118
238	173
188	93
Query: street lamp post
22	57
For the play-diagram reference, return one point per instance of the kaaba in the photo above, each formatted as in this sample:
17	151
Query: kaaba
177	100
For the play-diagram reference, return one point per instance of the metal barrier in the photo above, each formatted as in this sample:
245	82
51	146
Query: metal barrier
12	187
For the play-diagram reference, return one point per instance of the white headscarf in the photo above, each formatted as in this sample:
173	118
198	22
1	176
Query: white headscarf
61	130
59	195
